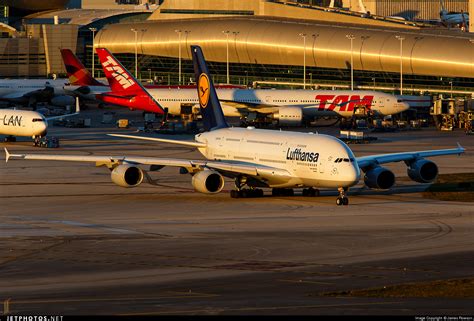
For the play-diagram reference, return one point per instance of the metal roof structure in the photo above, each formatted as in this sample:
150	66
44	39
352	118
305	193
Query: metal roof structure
81	17
284	41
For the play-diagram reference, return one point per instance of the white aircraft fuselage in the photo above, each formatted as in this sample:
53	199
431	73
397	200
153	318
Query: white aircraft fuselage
17	88
312	102
311	159
22	123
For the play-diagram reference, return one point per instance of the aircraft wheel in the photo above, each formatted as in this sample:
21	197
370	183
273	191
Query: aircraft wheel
345	201
339	201
234	193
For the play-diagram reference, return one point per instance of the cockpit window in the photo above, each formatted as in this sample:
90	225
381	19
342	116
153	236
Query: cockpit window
346	160
37	120
399	100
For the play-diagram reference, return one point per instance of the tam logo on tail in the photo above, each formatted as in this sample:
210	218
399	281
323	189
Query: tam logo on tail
118	73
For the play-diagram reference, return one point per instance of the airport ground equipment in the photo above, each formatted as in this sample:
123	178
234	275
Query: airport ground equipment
355	137
258	158
47	142
123	123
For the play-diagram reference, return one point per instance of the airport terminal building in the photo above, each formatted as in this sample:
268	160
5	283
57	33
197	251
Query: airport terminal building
270	41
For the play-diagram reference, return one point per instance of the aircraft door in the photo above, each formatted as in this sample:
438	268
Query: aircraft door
322	163
268	100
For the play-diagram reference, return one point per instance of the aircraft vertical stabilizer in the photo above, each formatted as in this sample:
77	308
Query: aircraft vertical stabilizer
77	73
211	109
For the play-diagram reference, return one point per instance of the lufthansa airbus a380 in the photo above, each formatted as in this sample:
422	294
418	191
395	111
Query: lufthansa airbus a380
257	158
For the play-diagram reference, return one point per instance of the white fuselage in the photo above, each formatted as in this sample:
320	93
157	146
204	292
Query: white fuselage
310	159
17	88
313	102
22	123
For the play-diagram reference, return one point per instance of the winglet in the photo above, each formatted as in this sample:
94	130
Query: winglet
7	155
460	148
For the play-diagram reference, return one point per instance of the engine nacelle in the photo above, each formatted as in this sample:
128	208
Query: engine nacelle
423	171
127	176
380	178
208	182
63	101
289	116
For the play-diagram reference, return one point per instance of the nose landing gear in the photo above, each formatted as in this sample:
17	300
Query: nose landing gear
342	198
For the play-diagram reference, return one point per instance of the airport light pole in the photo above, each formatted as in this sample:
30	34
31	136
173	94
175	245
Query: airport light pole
401	62
351	38
179	54
93	52
226	32
136	51
304	59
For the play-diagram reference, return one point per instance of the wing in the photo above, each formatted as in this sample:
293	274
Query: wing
373	160
227	168
78	110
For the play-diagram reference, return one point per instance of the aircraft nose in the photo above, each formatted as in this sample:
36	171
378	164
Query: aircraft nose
404	106
43	129
352	175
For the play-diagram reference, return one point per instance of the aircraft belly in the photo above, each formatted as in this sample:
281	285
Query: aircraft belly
314	112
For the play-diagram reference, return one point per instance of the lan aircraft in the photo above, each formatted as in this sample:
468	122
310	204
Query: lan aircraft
26	123
257	158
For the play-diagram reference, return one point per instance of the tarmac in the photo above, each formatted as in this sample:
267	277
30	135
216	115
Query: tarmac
72	242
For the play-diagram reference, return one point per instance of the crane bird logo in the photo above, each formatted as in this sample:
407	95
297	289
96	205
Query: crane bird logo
203	90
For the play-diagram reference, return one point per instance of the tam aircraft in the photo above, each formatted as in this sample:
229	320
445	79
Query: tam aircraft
26	123
82	84
256	158
289	107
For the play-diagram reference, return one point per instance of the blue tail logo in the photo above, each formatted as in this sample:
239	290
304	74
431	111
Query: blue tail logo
211	109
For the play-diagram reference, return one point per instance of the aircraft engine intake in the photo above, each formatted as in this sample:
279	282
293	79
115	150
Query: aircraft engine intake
289	116
127	176
423	171
63	101
208	182
379	178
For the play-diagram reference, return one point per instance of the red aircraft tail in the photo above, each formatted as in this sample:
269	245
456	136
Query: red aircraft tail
78	74
126	90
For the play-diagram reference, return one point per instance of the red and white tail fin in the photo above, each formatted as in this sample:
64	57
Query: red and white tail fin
126	90
78	74
119	78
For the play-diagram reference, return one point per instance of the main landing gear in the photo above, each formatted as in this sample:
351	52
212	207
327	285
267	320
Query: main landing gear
311	192
342	199
241	192
246	193
282	192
